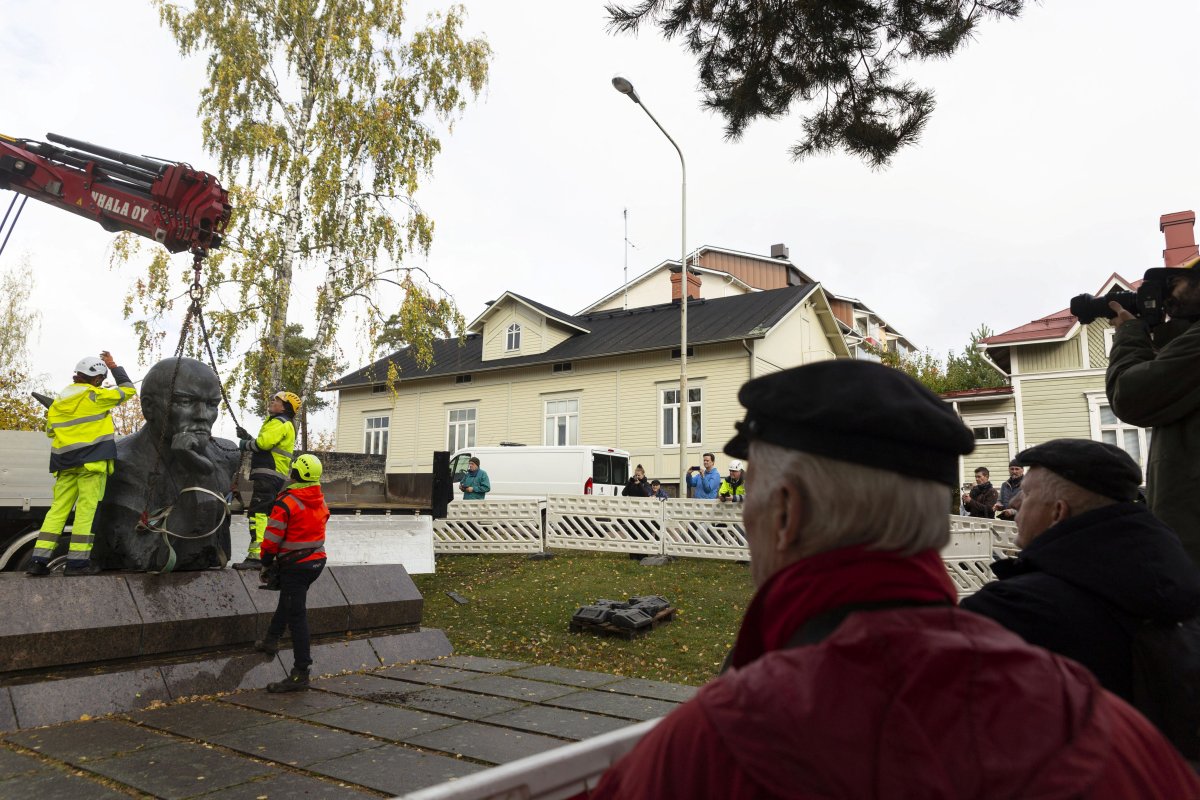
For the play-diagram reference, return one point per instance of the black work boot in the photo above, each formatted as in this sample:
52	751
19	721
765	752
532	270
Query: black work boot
295	682
268	644
89	568
37	570
249	563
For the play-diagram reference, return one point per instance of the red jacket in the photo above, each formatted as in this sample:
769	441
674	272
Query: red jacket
297	522
930	702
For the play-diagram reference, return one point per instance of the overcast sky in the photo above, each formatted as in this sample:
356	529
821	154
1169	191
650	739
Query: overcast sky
1058	141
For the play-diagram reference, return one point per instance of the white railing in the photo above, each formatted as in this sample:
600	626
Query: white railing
564	773
686	528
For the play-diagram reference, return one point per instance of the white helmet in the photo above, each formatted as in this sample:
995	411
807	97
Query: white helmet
91	366
735	464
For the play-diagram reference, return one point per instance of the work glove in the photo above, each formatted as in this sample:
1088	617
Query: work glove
244	444
242	433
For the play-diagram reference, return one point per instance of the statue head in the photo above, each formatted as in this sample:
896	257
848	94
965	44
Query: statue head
183	401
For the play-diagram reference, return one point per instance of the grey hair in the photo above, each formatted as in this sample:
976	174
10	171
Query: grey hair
851	504
1078	498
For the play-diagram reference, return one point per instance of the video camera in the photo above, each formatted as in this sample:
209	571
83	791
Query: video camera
1146	303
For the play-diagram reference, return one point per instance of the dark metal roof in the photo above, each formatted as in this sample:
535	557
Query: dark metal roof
613	332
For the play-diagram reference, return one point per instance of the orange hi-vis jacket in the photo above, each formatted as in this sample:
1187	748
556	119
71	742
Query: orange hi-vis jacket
297	522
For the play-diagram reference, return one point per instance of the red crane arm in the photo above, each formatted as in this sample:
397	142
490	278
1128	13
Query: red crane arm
171	203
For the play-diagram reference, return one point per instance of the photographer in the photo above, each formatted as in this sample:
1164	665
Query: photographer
1154	382
637	486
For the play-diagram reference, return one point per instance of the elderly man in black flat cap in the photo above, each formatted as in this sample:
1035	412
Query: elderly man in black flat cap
854	673
1093	566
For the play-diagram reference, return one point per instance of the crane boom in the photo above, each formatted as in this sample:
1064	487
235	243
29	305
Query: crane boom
180	207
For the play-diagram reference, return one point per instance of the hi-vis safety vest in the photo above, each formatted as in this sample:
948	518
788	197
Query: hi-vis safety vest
80	422
271	451
297	523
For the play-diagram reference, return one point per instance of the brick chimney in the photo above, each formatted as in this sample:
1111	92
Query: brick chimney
693	284
1179	231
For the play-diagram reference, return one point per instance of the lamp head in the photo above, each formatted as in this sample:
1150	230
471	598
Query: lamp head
625	87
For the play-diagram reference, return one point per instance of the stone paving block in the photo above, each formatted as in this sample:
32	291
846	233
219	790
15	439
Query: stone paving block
190	610
571	677
56	784
615	705
66	621
179	770
327	608
292	704
8	716
51	702
561	722
383	721
368	687
13	763
458	704
222	674
477	664
202	720
379	595
515	688
659	690
293	743
394	769
334	657
88	741
426	643
486	742
428	673
285	786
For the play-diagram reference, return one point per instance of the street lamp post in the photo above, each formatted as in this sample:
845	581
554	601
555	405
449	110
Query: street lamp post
625	87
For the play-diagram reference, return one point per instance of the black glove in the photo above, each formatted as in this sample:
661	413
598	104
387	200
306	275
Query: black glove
242	433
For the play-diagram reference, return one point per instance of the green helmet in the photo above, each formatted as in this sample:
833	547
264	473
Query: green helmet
308	467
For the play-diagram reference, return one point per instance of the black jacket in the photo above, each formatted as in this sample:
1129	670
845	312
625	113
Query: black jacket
1081	587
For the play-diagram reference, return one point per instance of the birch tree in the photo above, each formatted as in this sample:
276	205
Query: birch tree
324	117
18	324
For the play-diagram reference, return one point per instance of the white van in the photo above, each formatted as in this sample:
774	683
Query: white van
521	471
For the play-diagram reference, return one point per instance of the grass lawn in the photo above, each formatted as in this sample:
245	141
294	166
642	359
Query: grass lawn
520	609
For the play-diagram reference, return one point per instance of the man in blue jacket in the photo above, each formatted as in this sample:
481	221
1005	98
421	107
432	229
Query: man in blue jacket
705	482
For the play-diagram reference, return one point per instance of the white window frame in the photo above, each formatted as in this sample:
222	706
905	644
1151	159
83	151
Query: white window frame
1007	421
513	339
558	420
1098	400
461	422
668	432
1109	333
375	438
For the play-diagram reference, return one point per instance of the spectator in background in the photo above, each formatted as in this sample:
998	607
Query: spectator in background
853	601
733	488
1009	491
637	485
705	482
475	484
979	500
1094	565
656	490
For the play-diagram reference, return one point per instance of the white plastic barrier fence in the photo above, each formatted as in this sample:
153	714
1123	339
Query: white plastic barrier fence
490	526
609	524
704	529
686	528
564	773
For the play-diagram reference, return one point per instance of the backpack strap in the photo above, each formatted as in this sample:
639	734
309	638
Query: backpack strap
822	625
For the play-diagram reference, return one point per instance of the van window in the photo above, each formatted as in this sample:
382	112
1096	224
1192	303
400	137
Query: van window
459	467
610	469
